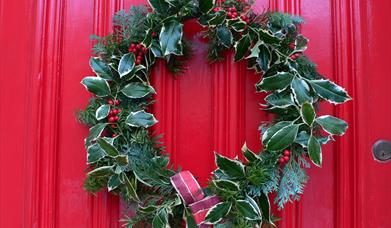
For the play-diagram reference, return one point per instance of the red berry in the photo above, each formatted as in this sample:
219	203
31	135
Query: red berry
287	153
132	45
286	158
297	55
235	14
281	160
293	57
112	119
113	126
115	111
229	15
116	118
116	102
244	18
138	61
145	50
292	46
110	102
154	34
111	113
114	135
119	110
139	58
215	9
138	46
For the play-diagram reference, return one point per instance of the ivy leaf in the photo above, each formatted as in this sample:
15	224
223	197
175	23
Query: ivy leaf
224	36
283	138
113	182
171	38
94	154
137	90
94	133
101	68
231	168
97	86
101	171
218	18
249	155
140	119
300	43
159	6
332	125
107	147
241	47
247	210
278	82
126	64
102	112
161	219
206	5
273	130
315	151
280	100
307	113
226	185
264	58
301	91
330	91
217	212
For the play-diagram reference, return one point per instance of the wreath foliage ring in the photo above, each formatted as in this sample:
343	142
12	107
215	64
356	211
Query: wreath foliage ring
123	156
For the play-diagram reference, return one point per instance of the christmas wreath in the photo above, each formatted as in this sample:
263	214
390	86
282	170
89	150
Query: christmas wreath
123	155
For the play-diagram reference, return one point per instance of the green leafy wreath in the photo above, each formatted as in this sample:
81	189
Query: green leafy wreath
125	158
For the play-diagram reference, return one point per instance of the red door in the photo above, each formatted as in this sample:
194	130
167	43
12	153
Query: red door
45	51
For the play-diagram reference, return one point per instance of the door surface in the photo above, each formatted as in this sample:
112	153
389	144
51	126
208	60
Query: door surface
45	49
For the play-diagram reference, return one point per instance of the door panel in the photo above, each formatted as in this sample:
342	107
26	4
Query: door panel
210	108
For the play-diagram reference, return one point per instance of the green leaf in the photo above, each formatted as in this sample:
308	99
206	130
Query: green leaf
113	182
161	219
264	58
279	81
301	43
237	25
264	203
218	18
122	159
232	168
241	47
280	100
283	138
226	185
249	155
126	64
102	112
247	210
267	37
140	119
273	130
101	171
107	147
332	125
301	91
190	222
94	133
147	42
218	212
307	113
137	90
94	154
315	151
255	50
131	187
97	86
171	38
329	91
206	5
224	36
159	6
302	139
101	68
156	50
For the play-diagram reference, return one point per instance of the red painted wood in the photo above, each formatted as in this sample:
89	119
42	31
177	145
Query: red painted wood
45	50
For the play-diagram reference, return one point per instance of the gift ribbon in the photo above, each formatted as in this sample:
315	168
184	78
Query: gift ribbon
193	196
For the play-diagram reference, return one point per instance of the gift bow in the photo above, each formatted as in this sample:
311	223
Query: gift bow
193	196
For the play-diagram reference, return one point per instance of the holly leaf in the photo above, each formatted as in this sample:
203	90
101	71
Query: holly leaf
315	151
307	113
113	182
159	6
230	167
171	38
102	112
264	203
241	47
301	91
330	91
126	64
217	212
280	100
264	58
206	5
94	133
248	210
101	68
97	86
267	37
108	148
226	185
137	90
302	139
224	36
218	18
237	25
140	119
156	50
283	138
273	130
102	171
94	154
131	187
332	125
301	43
249	155
277	82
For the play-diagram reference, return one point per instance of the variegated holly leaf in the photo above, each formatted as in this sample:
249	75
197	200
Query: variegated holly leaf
330	91
267	37
301	91
248	210
137	90
300	43
231	168
159	6
94	133
249	155
264	58
264	203
280	99
282	138
140	119
242	47
107	147
161	219
217	212
97	86
95	153
315	151
307	113
273	130
224	36
332	125
171	38
102	112
277	82
113	182
101	68
126	64
226	185
102	171
206	5
218	18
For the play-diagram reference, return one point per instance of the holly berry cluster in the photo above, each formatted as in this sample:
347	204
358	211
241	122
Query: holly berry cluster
285	157
139	51
295	56
232	13
113	115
